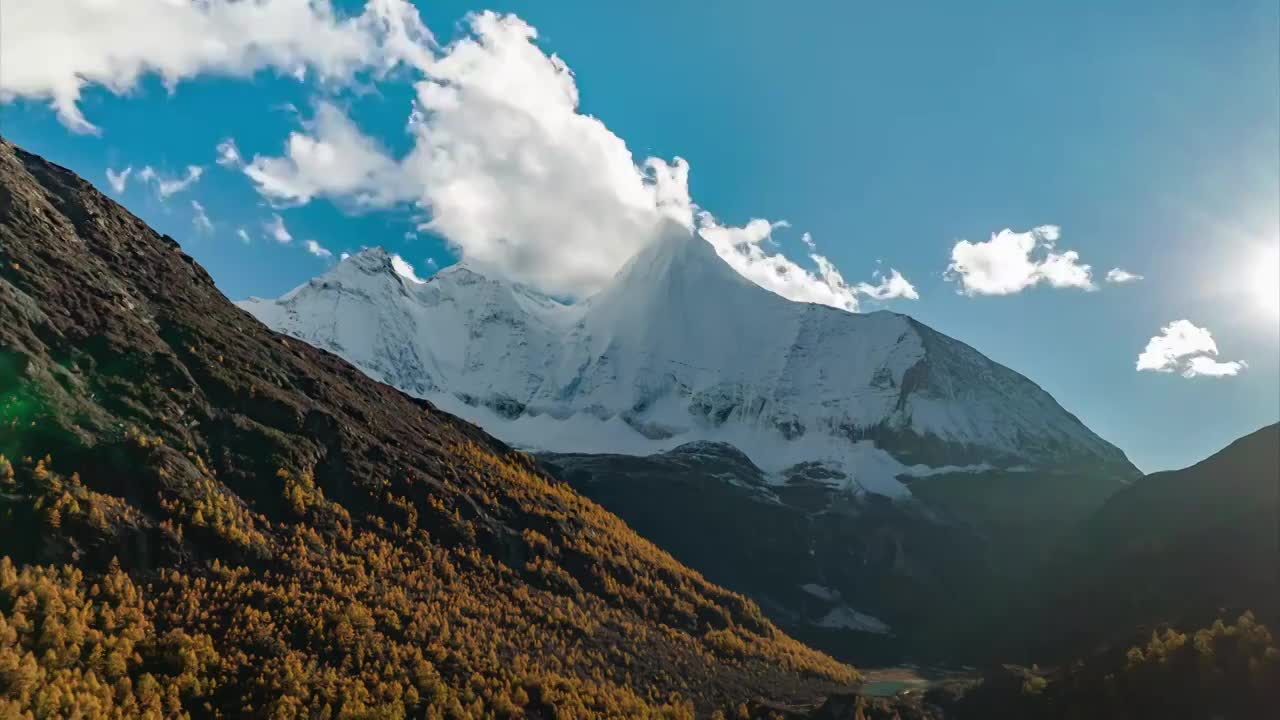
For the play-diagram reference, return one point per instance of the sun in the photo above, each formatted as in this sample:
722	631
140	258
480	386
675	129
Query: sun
1264	279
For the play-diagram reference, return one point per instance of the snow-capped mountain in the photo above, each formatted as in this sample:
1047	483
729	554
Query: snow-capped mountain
679	347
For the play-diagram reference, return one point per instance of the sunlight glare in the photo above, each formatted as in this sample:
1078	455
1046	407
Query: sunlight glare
1264	276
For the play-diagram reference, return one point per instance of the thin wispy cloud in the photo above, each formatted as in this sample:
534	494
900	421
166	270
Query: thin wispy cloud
276	230
119	180
228	154
317	249
1118	276
200	218
167	186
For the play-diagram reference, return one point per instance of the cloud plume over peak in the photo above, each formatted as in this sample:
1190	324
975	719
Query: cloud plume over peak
502	161
516	178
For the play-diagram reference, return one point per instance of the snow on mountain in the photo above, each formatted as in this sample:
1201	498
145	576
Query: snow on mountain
679	347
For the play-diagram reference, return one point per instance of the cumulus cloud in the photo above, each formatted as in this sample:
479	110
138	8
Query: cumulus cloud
200	218
229	153
1118	276
118	180
519	181
1011	262
505	165
51	49
317	249
277	231
331	158
1185	348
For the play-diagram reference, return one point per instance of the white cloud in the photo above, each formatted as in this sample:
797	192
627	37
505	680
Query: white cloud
200	218
118	180
317	249
507	168
1116	275
229	153
243	235
890	287
404	269
1064	270
741	248
518	180
1005	264
277	231
52	49
1208	367
512	175
344	256
1182	347
166	186
337	160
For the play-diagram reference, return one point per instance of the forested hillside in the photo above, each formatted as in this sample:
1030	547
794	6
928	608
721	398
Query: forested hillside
201	517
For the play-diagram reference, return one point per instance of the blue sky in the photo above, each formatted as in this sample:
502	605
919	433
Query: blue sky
1150	135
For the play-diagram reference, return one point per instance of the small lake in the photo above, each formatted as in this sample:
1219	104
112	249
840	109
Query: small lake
889	688
889	681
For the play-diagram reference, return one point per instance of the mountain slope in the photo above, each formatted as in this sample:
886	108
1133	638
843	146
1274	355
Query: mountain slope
248	525
679	347
831	411
867	579
1178	547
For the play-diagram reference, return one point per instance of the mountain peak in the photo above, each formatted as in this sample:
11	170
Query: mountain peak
680	347
468	271
371	257
676	253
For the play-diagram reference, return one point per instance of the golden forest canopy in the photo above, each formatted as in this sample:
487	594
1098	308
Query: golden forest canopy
201	518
